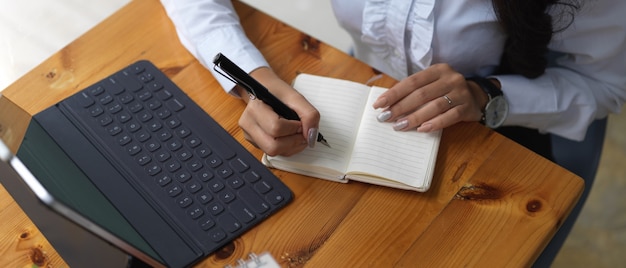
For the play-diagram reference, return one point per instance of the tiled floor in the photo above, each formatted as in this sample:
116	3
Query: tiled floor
31	30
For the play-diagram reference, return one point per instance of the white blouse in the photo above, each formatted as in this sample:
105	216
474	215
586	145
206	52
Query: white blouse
401	37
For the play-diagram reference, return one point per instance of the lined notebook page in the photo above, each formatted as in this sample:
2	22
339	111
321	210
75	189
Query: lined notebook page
403	156
340	104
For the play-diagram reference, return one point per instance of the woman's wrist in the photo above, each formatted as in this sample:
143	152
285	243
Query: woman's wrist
479	94
480	97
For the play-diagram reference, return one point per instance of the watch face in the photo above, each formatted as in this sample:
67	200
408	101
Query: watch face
496	111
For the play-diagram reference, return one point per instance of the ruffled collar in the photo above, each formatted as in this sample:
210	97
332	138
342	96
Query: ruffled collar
400	33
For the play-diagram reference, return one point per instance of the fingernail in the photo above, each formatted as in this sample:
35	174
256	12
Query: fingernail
384	116
401	124
312	137
381	102
426	127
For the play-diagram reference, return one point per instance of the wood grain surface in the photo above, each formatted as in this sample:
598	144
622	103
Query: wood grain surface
492	202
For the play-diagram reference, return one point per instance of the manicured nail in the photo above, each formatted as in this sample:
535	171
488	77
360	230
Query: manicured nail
384	116
426	127
401	124
312	137
381	102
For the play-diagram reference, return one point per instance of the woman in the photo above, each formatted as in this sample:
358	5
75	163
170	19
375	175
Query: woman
431	47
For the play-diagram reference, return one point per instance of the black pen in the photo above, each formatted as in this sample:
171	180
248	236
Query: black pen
253	87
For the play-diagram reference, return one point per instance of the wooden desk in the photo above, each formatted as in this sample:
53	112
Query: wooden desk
492	202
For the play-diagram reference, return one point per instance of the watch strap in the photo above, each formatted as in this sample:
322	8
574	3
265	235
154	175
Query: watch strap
487	86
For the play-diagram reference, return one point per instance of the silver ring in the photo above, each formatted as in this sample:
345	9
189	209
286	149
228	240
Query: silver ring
448	99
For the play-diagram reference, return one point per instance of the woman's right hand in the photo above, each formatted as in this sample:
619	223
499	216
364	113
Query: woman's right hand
273	134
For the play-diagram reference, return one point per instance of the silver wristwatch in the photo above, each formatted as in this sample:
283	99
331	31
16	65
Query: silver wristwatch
497	107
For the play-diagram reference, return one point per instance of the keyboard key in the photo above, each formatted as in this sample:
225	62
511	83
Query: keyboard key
253	200
128	81
164	180
145	116
164	135
263	187
163	113
95	91
144	95
205	175
184	155
193	142
252	176
96	111
204	197
133	149
217	235
153	169
216	185
154	125
154	104
172	166
203	151
105	99
162	156
174	145
241	211
229	223
142	136
174	191
195	212
126	98
152	145
114	86
143	159
164	94
224	172
174	105
133	126
215	208
275	197
135	107
214	161
239	165
194	165
146	77
105	120
235	182
173	122
183	176
84	100
206	223
226	196
184	201
183	132
155	86
124	117
114	108
124	139
194	187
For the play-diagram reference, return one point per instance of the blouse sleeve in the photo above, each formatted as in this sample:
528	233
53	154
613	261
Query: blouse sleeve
208	27
586	82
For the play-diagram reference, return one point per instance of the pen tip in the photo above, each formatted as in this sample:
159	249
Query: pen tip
325	143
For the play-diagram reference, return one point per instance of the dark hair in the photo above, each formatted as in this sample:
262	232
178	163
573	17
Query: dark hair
529	28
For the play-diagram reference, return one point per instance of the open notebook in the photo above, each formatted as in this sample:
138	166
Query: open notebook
362	148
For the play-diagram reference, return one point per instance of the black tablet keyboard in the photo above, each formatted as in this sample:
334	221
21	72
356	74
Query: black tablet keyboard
176	155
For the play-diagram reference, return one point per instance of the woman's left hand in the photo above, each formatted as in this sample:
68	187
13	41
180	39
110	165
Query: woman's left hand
432	99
